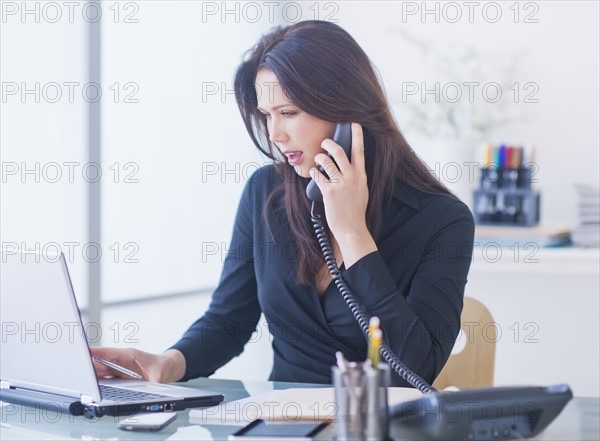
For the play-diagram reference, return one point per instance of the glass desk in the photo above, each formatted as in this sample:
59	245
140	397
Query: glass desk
580	420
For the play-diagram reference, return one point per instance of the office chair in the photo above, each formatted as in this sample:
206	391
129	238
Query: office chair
473	366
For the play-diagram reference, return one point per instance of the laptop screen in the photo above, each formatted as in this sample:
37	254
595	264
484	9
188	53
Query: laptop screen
43	343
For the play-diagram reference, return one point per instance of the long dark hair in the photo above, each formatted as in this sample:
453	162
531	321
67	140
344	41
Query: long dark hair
324	72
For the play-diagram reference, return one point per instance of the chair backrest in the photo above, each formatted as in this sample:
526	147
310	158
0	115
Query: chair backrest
474	365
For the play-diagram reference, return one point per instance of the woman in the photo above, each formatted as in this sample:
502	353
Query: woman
402	241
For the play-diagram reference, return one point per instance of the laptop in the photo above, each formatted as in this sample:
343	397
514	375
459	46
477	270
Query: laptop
45	360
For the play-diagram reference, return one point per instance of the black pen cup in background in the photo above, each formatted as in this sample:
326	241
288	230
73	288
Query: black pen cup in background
506	197
506	177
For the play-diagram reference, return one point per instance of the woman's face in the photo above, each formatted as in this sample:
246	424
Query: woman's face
297	134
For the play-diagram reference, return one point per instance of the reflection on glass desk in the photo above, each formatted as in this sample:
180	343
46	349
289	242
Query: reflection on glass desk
580	420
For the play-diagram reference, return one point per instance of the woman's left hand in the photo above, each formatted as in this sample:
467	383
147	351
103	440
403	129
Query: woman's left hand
346	195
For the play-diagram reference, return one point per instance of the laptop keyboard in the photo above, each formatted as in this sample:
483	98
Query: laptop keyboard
127	395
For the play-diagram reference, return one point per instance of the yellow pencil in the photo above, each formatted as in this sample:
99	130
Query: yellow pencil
374	341
374	345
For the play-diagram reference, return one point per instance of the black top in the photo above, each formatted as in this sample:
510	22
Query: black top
414	283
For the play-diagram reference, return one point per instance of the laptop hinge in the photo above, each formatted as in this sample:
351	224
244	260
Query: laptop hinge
86	399
4	384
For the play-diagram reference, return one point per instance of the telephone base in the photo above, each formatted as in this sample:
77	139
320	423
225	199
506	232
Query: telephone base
479	414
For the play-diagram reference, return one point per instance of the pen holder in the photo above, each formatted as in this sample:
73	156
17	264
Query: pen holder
361	402
506	197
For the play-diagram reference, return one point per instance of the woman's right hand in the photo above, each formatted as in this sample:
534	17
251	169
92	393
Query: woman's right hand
159	368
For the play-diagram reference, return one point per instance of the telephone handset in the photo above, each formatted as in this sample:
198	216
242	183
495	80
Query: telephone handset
342	136
536	407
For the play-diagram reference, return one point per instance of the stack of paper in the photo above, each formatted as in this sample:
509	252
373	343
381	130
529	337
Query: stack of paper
292	405
587	234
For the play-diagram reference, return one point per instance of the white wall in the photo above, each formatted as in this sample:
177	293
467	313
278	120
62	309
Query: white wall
183	142
43	136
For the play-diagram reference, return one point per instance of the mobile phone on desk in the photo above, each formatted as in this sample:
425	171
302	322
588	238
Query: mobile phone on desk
343	137
148	421
281	431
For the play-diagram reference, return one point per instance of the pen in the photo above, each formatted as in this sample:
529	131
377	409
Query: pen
116	367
